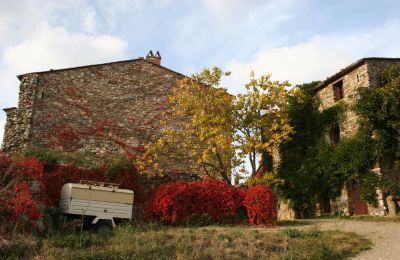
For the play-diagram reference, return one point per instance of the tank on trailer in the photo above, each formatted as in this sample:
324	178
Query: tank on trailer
103	201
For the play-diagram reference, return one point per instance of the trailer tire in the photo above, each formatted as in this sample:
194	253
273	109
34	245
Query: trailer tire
103	227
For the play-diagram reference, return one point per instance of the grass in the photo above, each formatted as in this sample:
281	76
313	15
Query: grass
213	242
364	218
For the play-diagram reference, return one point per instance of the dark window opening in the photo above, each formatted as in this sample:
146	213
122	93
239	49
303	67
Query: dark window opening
334	134
41	95
338	91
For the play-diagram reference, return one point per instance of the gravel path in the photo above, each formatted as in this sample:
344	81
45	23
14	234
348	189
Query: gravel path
384	235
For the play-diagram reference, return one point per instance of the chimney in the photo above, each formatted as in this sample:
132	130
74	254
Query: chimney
155	59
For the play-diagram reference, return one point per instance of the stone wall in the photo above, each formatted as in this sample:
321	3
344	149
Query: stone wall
99	111
364	75
19	120
352	81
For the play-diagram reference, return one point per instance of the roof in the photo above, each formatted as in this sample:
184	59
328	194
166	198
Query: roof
349	68
20	77
9	109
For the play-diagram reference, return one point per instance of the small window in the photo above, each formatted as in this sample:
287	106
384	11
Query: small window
334	134
41	94
338	91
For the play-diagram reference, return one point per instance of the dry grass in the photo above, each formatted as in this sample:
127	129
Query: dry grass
364	218
157	242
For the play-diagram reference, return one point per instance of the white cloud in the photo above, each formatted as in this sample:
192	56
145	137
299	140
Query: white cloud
51	48
19	18
40	35
57	48
317	58
2	125
232	14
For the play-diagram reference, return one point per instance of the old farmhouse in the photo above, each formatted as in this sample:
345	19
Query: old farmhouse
344	85
98	110
105	109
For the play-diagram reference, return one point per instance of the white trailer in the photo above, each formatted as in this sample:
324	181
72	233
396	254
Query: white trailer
102	203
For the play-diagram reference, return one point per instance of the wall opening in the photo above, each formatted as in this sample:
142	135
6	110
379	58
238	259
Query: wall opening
334	134
338	91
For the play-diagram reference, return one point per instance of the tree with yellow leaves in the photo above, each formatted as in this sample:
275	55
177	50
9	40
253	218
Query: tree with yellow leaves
197	127
261	120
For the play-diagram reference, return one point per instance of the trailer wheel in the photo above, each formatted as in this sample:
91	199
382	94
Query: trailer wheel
103	227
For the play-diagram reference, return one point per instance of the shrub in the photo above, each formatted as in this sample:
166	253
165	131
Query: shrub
267	179
176	202
22	204
261	205
19	179
62	174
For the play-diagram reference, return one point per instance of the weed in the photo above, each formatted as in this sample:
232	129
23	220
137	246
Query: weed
293	233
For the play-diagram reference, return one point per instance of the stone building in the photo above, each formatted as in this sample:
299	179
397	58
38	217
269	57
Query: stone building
99	110
344	85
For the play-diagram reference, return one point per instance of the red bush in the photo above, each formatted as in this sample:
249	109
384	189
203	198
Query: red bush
175	202
28	168
16	199
62	174
261	205
22	203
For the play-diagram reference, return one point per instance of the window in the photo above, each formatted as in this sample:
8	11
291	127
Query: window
338	91
334	134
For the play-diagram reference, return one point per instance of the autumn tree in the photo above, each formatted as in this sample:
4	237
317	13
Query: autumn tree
261	120
197	127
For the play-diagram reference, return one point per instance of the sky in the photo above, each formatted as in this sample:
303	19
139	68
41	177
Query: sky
295	40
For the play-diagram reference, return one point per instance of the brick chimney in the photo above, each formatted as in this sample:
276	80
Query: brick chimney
155	59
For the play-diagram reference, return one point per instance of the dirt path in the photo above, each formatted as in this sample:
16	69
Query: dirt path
384	235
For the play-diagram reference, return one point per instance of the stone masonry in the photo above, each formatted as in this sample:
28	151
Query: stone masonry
99	110
362	73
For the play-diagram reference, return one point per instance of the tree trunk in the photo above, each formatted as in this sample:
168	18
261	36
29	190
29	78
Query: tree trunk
266	158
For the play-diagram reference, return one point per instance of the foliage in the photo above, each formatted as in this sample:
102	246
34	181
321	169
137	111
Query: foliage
197	127
379	113
261	120
62	174
52	157
267	179
175	202
181	202
25	188
22	203
21	189
314	170
261	205
306	165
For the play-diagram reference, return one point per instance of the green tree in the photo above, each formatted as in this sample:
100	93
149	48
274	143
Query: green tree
379	114
306	159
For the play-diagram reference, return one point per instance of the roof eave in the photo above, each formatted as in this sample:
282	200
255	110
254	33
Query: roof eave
349	68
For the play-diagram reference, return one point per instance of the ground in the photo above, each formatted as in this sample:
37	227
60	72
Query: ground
301	239
385	235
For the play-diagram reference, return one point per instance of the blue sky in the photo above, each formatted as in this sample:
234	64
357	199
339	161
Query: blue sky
298	40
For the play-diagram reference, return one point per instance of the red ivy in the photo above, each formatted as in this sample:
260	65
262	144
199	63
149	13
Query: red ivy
261	205
64	174
23	203
175	202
